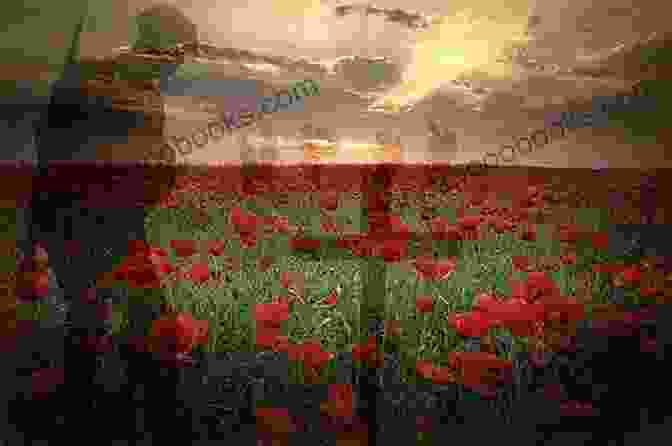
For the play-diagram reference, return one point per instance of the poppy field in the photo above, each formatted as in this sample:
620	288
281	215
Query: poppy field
458	269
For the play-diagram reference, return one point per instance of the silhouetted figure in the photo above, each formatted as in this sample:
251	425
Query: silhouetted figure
92	187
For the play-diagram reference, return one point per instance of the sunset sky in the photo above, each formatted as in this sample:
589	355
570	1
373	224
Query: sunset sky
488	71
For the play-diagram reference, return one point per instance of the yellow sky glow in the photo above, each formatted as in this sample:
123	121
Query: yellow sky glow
295	8
470	37
465	42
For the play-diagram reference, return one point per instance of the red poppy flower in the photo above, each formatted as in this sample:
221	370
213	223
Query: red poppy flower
520	318
136	344
45	381
473	370
484	302
89	296
424	304
328	226
137	247
431	269
183	248
631	275
354	433
575	408
568	233
245	223
599	240
103	311
164	268
646	313
365	351
482	368
398	229
538	358
442	375
331	298
176	333
95	344
474	324
442	230
614	267
534	191
198	273
529	234
520	263
340	401
599	268
568	259
72	248
424	368
138	272
562	308
362	246
267	336
392	250
540	285
502	224
553	392
282	343
470	221
286	279
215	247
343	242
294	351
271	313
613	327
376	202
248	240
34	285
23	263
312	355
477	198
253	187
277	223
423	423
647	345
378	222
157	257
274	420
518	290
329	201
304	244
649	291
438	375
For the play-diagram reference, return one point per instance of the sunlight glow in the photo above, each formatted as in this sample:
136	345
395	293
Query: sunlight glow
295	8
469	41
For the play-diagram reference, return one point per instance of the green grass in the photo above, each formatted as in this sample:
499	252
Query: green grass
482	265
